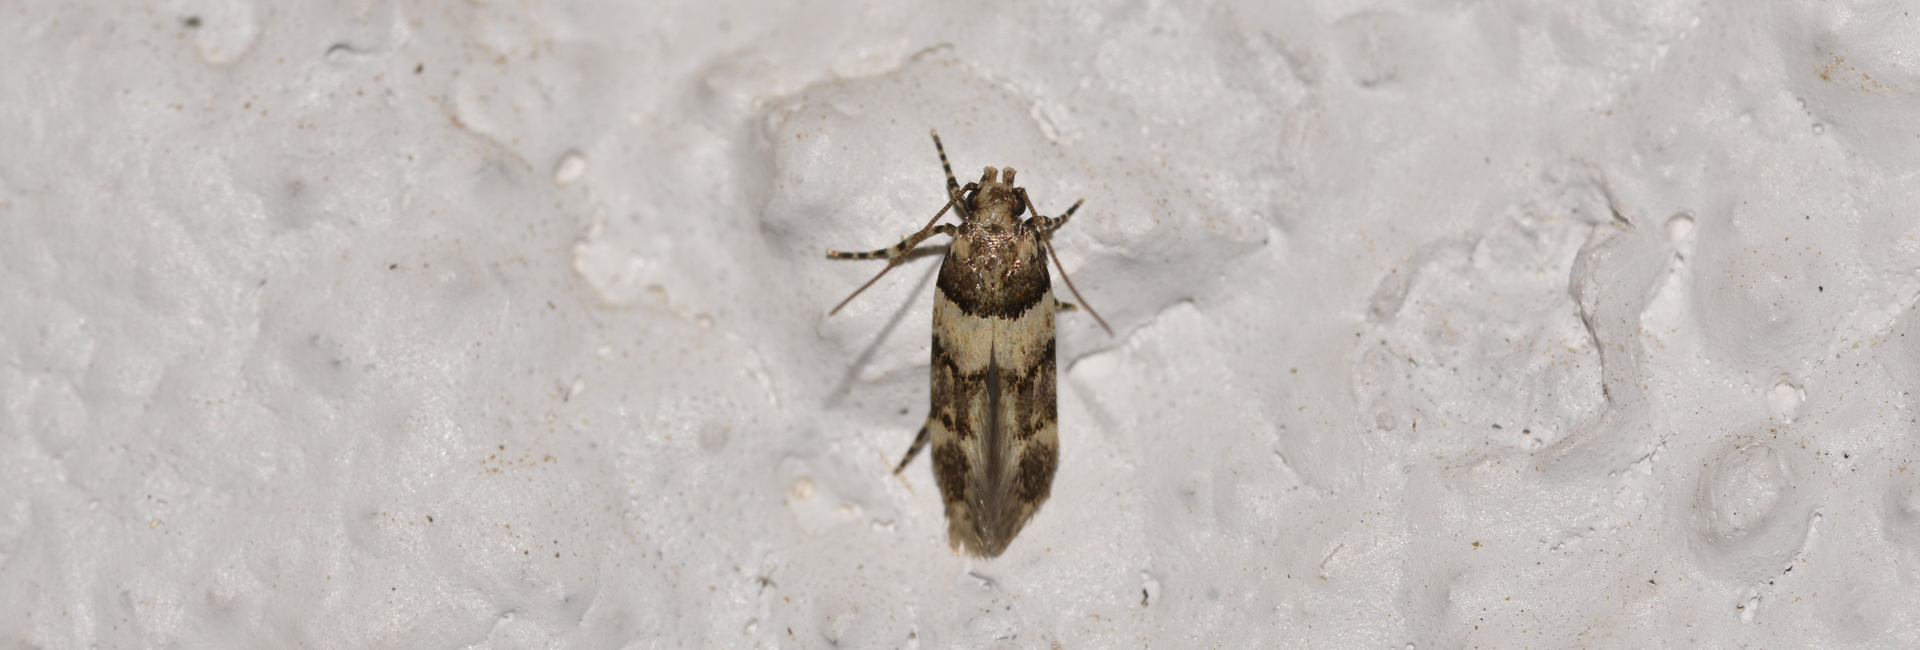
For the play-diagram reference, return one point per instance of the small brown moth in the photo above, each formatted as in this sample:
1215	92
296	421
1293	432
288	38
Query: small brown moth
993	423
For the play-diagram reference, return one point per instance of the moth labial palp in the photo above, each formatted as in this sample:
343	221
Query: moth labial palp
994	419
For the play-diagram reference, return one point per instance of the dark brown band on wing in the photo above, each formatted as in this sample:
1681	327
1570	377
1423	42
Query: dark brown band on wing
1018	292
950	468
952	392
1031	389
1033	392
1035	479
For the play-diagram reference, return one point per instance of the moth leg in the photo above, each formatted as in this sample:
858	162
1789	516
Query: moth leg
1066	306
894	254
1044	226
919	442
906	244
1047	224
1044	240
901	249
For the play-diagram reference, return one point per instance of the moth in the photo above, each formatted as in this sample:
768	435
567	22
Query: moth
994	418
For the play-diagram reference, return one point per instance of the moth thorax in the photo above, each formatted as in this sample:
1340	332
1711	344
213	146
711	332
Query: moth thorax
996	207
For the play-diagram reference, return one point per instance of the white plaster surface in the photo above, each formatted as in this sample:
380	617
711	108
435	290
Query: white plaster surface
1503	324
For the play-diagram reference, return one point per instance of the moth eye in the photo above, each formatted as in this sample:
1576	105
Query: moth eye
1019	207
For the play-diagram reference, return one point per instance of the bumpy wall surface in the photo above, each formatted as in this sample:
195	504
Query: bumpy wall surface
503	325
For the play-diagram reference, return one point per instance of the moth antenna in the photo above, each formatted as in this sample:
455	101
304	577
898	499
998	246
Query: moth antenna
953	186
1076	292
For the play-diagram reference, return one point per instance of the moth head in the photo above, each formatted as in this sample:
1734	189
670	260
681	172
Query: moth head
996	194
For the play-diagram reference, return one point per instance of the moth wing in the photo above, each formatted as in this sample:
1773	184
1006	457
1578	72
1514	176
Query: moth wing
993	423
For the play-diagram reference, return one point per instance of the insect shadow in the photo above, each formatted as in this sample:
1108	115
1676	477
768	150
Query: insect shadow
844	388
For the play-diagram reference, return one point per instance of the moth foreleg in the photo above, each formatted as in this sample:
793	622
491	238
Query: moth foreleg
1047	224
1066	306
919	442
895	254
897	250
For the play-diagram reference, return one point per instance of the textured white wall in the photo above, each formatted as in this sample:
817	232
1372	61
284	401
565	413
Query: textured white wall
1502	324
